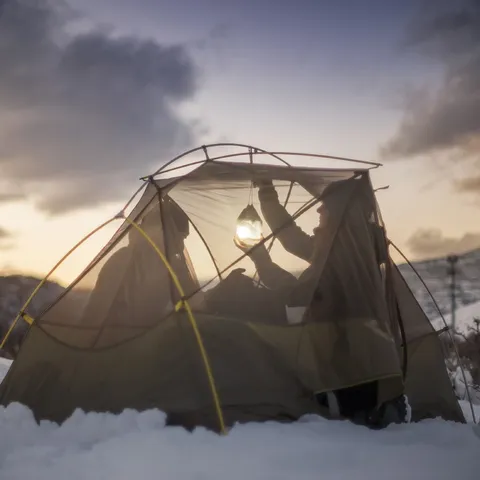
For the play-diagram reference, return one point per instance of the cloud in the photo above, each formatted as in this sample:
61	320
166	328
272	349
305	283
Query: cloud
431	243
471	184
11	197
5	239
446	121
84	115
4	234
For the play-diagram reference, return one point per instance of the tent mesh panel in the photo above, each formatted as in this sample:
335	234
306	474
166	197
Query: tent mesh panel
310	312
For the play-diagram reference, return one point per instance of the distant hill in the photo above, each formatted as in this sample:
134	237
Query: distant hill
14	292
434	273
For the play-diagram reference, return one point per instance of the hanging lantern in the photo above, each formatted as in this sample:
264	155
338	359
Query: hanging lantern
249	227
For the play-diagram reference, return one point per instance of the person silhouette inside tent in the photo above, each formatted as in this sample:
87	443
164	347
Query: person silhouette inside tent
176	227
134	284
293	239
322	288
297	242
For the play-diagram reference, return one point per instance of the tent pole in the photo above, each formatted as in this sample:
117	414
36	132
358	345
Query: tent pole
22	312
269	248
202	238
183	303
213	145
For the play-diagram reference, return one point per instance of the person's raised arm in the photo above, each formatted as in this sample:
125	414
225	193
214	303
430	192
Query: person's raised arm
272	275
293	239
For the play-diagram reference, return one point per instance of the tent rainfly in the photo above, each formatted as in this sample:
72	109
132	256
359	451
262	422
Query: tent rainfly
243	285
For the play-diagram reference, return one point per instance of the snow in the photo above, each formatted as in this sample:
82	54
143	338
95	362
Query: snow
4	366
463	318
138	445
467	411
458	377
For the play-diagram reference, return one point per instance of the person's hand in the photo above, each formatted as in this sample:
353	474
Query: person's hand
262	183
236	272
244	247
240	245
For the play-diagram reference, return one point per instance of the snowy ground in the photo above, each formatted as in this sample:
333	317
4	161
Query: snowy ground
138	446
4	366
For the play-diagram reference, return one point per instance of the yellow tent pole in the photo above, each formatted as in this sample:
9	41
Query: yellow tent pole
21	313
193	322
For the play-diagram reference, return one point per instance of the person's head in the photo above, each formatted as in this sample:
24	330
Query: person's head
149	221
324	213
328	199
155	223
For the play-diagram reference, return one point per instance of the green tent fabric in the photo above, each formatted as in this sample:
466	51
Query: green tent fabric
313	309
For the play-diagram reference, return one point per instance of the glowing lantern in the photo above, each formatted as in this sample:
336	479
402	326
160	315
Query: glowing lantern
249	227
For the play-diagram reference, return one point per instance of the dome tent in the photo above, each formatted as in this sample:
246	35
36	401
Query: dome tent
177	317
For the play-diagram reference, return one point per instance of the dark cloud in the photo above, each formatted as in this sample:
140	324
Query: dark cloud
6	238
84	115
431	243
449	32
446	120
4	234
471	184
11	197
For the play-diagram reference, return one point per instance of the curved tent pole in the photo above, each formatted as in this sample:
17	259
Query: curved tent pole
209	250
213	145
104	251
22	312
183	303
331	157
269	248
255	151
299	212
197	162
244	154
132	198
96	258
298	154
250	149
119	215
210	159
454	343
202	238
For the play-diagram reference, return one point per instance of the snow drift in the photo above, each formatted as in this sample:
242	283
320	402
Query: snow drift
138	445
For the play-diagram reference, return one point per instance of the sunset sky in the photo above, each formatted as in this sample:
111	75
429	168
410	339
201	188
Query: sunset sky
96	93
